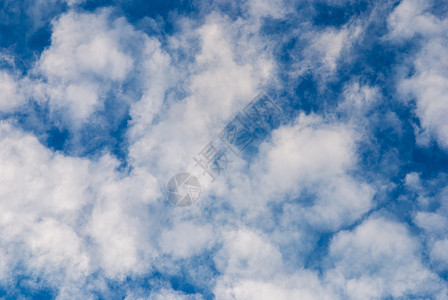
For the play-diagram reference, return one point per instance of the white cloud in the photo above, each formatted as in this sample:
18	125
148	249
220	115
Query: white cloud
262	8
439	254
429	86
378	259
165	293
359	100
303	285
326	49
253	268
220	79
311	159
186	239
329	44
430	194
410	18
74	2
90	55
81	216
64	218
85	44
57	245
433	222
246	254
10	96
42	194
429	83
80	223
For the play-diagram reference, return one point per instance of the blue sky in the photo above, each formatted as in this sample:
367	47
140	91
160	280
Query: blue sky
343	196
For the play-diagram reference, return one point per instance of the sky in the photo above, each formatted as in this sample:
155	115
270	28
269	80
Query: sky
341	193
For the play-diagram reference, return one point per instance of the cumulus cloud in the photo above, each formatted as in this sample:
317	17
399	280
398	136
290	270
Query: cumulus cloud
410	17
310	159
262	8
379	259
253	268
294	217
42	235
84	217
89	57
428	83
433	222
59	204
186	239
221	79
10	95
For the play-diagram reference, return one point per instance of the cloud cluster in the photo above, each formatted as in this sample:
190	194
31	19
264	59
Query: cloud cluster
311	160
88	58
296	218
432	221
428	82
10	96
